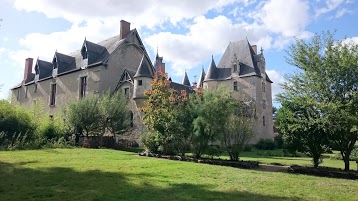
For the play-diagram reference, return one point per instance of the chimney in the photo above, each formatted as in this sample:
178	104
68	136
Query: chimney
254	47
28	68
124	29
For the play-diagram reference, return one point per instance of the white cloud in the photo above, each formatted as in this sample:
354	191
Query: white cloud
205	37
351	40
277	79
288	18
329	6
149	14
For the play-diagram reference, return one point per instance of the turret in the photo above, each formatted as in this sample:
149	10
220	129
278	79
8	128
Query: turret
201	78
186	80
142	79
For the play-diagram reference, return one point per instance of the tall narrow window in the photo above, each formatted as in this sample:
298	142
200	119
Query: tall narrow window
235	68
83	87
53	95
263	87
126	92
35	88
26	89
263	121
264	104
235	86
18	94
131	120
140	82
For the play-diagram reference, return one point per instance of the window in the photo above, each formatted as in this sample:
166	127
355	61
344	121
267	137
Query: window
235	86
264	104
263	120
26	88
83	87
131	120
53	95
84	52
18	94
263	87
235	67
140	82
35	88
54	63
126	92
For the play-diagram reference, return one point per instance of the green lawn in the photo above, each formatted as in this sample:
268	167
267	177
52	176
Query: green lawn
264	157
89	174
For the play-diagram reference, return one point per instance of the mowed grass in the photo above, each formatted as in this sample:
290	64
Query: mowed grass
90	174
276	157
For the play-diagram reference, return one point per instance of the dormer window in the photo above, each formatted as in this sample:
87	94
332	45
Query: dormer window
235	68
37	70
84	52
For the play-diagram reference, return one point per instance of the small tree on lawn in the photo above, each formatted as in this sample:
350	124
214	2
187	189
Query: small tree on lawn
239	129
84	116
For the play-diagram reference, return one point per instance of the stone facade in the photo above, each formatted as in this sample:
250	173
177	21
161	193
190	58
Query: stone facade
121	64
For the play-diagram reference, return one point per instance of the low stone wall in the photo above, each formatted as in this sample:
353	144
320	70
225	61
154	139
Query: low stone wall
324	172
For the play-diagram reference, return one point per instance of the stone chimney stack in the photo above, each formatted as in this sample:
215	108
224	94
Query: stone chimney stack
28	68
254	47
124	29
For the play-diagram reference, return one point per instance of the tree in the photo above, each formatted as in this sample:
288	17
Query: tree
213	111
329	77
274	109
239	128
115	112
84	116
159	111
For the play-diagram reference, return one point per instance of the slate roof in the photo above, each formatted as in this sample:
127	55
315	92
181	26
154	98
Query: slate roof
44	68
186	80
97	54
201	78
180	87
241	53
212	71
145	69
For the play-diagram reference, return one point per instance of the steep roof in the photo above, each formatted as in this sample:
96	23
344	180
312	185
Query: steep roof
186	80
43	69
241	53
212	71
144	69
180	87
201	78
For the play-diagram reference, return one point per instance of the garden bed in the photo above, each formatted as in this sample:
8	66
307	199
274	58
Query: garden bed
324	172
237	164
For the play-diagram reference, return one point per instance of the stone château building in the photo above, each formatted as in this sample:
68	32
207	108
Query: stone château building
122	64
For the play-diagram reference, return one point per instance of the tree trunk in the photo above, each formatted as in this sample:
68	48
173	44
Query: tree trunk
345	157
315	161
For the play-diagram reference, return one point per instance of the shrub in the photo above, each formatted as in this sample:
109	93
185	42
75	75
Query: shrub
15	122
213	150
354	154
278	139
50	129
150	142
265	144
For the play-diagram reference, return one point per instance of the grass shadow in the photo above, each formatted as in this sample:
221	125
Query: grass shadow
58	183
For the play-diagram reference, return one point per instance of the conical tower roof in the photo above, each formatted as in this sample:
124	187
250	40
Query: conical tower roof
212	71
186	80
144	69
201	78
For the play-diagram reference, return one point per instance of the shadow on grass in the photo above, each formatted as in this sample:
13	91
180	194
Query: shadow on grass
20	183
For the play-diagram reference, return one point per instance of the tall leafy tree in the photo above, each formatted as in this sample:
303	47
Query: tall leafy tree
159	110
328	76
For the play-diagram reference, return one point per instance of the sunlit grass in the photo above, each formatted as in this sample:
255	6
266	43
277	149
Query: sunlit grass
89	174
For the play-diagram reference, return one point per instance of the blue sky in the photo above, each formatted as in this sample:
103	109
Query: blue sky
186	32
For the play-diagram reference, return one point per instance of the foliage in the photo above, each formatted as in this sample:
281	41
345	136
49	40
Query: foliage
159	115
354	154
278	139
50	128
83	116
265	144
239	128
14	122
324	91
149	140
115	113
96	115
